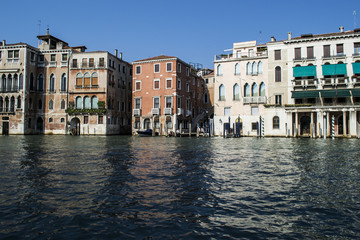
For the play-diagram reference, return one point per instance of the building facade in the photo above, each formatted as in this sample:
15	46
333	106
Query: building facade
167	95
240	88
39	90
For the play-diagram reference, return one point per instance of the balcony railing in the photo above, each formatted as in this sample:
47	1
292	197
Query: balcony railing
180	111
64	63
257	100
12	60
155	111
136	112
188	113
7	89
52	64
242	55
91	65
168	111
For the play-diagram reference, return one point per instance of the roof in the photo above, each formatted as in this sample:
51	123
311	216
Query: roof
48	36
156	58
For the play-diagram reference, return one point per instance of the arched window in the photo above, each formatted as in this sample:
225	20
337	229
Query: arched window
15	83
18	102
52	83
86	102
1	104
31	87
248	68
260	68
51	104
6	104
62	104
276	122
254	90
40	83
222	92
278	74
3	83
79	80
21	81
247	90
12	104
262	89
219	70
237	69
236	92
94	79
78	103
94	102
40	104
9	83
87	80
254	68
63	83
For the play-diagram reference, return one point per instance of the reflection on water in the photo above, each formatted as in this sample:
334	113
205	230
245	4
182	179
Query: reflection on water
183	188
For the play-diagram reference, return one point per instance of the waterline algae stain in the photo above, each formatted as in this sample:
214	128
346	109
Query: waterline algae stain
117	187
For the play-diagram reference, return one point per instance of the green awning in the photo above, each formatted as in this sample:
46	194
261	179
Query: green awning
334	69
356	67
355	92
307	71
305	94
335	93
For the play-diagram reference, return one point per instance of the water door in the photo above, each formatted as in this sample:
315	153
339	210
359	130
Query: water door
5	128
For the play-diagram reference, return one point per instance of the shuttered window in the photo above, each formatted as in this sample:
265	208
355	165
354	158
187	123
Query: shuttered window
297	53
339	49
277	54
310	52
326	50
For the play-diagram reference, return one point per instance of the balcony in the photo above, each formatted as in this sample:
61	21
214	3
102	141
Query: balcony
155	111
168	111
136	112
41	64
180	111
9	89
188	113
12	61
90	65
64	63
241	56
52	64
254	100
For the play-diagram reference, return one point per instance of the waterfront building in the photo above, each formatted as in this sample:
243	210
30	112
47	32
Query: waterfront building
240	88
316	84
40	88
167	95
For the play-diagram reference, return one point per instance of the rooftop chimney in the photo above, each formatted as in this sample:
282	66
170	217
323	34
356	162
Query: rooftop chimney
116	53
120	56
341	29
289	35
3	42
273	39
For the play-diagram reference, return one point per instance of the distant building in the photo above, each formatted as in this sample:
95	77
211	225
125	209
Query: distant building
167	95
40	87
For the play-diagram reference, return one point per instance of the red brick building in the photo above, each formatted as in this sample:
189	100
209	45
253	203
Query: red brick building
167	95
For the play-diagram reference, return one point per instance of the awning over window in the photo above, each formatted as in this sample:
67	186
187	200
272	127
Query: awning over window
355	92
334	69
307	71
335	93
305	94
356	68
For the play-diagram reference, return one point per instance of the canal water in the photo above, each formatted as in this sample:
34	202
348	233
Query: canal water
125	187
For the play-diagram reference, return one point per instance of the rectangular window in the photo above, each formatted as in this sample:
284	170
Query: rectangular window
326	50
156	68
156	102
187	87
64	57
101	62
310	52
277	54
91	62
156	83
168	83
251	52
254	111
178	103
123	107
169	67
100	120
124	69
278	100
137	103
179	84
254	126
84	62
356	48
227	111
137	85
138	70
179	67
238	54
340	49
0	55
52	58
13	54
41	58
74	63
168	101
86	119
297	53
32	56
187	71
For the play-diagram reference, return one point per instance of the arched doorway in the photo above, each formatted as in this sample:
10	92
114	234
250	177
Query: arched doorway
147	123
305	125
75	126
40	125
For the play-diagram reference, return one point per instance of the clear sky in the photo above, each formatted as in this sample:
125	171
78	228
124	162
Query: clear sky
193	30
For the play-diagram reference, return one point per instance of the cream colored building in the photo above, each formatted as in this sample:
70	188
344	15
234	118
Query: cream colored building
240	89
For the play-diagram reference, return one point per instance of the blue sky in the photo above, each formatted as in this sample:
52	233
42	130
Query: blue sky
192	30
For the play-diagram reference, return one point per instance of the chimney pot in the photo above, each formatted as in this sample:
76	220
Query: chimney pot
341	29
120	55
273	39
289	35
116	53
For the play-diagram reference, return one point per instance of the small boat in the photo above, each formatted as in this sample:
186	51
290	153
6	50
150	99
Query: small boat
147	132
